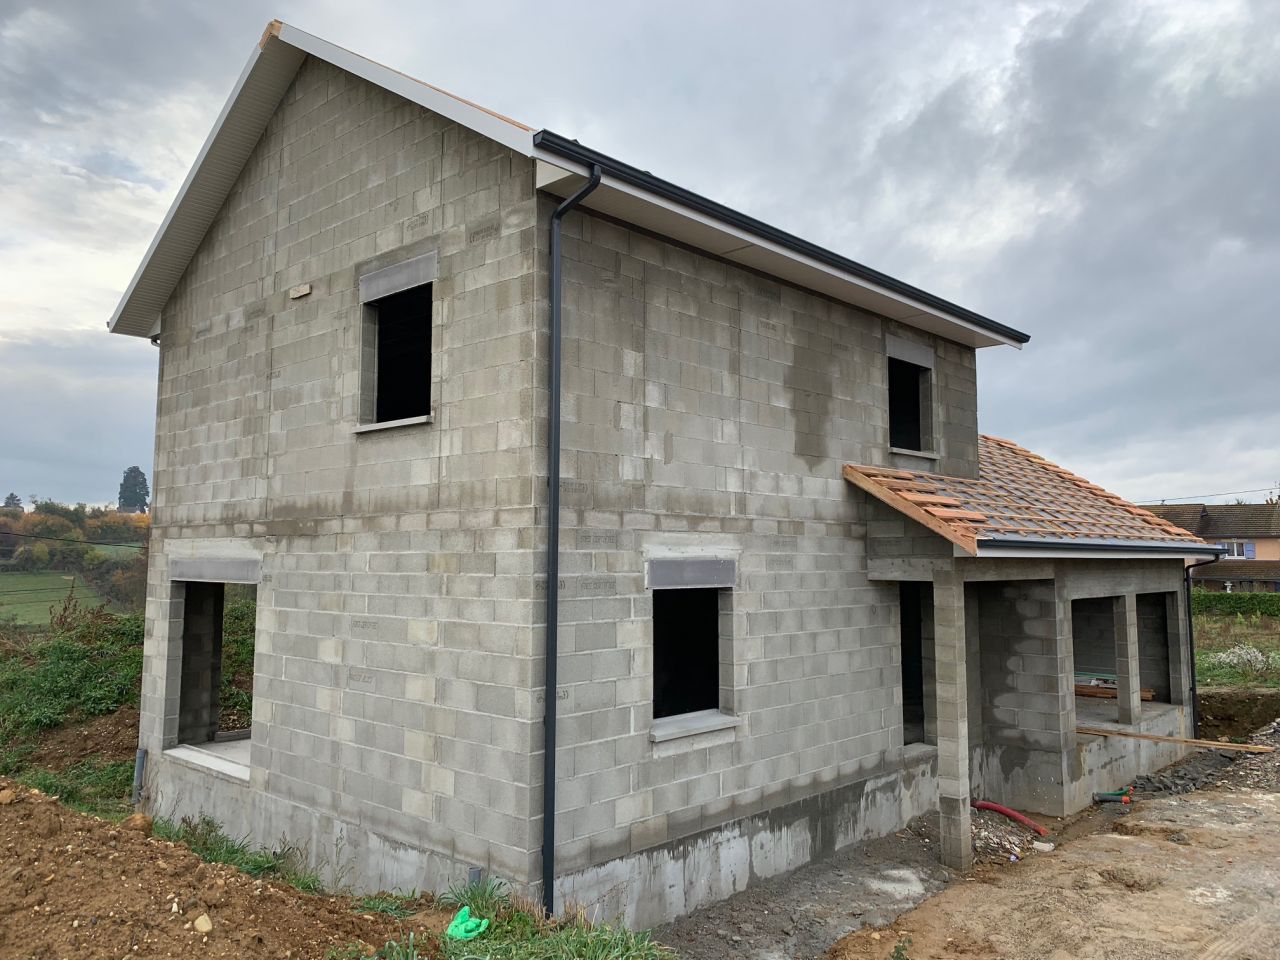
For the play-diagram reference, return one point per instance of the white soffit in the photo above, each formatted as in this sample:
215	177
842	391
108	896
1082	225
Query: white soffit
659	215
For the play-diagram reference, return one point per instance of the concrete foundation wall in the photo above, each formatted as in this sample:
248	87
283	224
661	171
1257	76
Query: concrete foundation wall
671	879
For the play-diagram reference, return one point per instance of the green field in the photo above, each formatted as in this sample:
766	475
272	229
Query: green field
26	597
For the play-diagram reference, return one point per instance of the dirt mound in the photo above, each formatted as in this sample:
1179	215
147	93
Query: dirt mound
1236	712
110	738
72	885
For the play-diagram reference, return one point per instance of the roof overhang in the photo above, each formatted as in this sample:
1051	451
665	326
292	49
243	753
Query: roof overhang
625	193
636	197
1088	550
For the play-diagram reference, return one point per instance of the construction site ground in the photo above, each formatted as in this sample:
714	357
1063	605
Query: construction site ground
1190	870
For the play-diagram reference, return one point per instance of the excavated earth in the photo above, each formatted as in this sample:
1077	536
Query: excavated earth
73	886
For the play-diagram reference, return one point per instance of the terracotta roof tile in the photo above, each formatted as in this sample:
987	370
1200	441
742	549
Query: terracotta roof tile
1018	496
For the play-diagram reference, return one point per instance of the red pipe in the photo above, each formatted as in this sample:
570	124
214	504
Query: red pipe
1011	814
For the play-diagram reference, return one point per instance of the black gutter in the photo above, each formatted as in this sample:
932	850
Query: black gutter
1191	645
553	556
572	150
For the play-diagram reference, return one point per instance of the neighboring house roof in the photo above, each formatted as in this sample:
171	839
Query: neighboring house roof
1239	570
625	193
1223	521
1022	500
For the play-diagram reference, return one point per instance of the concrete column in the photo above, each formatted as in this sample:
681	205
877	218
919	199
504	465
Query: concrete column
1128	682
1179	648
951	686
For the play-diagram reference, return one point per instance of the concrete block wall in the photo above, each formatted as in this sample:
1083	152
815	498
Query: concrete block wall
1154	643
708	411
395	653
1094	634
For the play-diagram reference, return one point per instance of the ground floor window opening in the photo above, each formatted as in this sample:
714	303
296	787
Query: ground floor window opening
218	632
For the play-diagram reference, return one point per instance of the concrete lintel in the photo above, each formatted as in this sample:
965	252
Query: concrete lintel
398	277
906	568
975	569
216	569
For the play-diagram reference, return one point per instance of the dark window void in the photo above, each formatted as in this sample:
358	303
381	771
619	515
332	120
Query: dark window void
403	377
912	597
218	627
686	651
908	393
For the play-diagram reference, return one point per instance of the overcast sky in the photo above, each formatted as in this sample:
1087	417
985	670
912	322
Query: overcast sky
1102	175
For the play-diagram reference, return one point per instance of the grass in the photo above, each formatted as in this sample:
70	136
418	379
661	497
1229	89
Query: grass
239	617
89	664
90	786
118	551
518	931
1223	645
392	904
208	841
25	598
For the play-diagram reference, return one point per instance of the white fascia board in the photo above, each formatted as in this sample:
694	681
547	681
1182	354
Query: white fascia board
254	98
505	132
562	177
143	318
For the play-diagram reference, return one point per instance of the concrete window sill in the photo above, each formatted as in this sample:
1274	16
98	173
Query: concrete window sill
918	752
393	424
230	758
691	724
922	454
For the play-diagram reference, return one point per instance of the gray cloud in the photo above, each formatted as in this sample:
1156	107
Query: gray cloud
1098	174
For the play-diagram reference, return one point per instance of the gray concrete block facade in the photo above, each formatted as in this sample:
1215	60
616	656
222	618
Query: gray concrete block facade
707	413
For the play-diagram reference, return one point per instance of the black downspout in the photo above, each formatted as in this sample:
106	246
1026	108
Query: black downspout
1191	646
553	558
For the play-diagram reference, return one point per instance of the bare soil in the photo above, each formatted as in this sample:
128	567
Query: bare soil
75	886
1235	712
111	738
1189	876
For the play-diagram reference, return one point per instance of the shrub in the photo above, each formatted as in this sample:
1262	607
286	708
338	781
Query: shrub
1248	604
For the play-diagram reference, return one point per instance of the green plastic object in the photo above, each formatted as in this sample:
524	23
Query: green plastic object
466	927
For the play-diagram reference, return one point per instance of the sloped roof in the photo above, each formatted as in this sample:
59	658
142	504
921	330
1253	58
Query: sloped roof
562	165
1223	521
1239	570
1020	498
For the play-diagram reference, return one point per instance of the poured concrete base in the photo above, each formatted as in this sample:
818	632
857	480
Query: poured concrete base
660	884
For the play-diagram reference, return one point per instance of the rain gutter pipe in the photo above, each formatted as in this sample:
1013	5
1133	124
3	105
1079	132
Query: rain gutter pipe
553	553
1191	645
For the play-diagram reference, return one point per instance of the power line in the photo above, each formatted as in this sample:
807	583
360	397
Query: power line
1205	496
87	543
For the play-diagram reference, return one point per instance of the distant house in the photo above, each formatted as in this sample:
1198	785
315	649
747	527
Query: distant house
1250	533
519	445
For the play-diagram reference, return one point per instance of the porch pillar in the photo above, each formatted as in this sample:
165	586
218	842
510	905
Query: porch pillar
951	686
1128	680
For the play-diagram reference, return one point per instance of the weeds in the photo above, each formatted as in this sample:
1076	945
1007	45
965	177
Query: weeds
91	664
485	898
1237	649
90	786
208	841
391	904
900	949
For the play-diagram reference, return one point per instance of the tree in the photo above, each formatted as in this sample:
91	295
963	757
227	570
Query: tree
134	492
12	501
